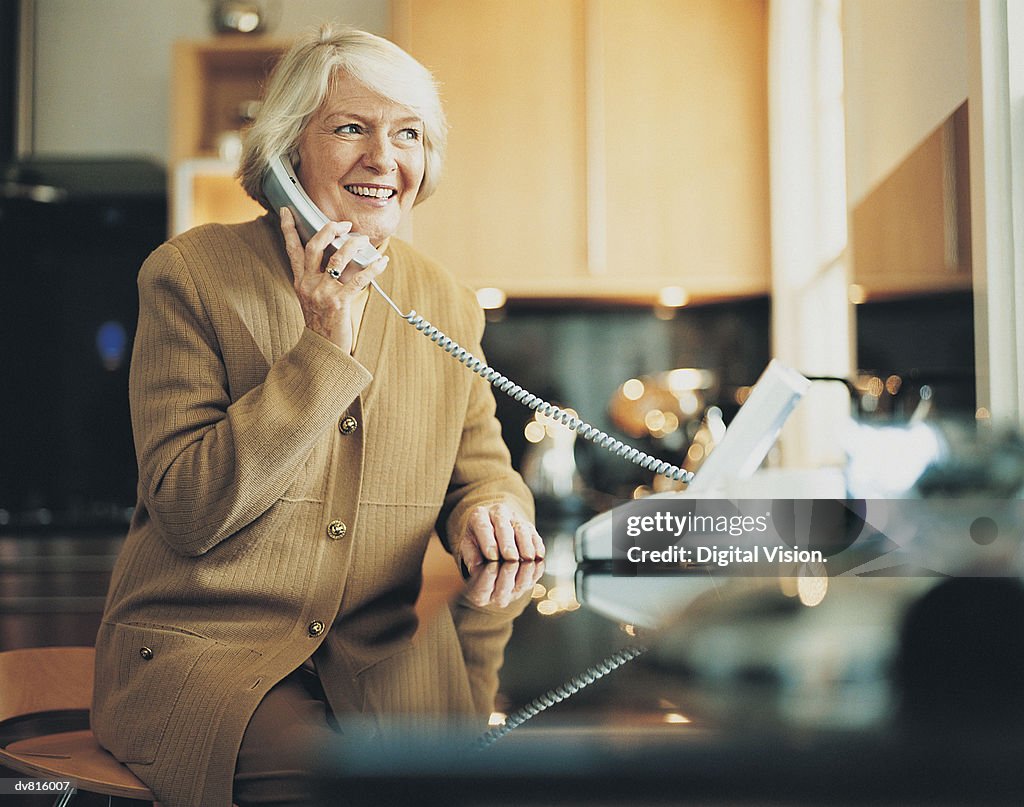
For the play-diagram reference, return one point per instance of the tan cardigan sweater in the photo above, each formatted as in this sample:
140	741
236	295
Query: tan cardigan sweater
229	563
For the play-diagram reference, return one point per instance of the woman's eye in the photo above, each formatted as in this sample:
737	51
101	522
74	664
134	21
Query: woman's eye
348	128
409	134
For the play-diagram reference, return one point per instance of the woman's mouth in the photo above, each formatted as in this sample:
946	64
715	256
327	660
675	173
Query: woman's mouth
371	191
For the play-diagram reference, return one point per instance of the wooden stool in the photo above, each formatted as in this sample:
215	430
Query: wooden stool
58	679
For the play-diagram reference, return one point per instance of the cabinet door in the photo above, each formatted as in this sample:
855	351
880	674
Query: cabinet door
598	148
686	143
510	209
912	233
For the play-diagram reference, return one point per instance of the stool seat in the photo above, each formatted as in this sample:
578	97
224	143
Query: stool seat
75	755
41	680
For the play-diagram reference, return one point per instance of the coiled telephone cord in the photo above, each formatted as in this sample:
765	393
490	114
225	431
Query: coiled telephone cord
559	694
536	403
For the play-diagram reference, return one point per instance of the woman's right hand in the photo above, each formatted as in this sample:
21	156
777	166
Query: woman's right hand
327	304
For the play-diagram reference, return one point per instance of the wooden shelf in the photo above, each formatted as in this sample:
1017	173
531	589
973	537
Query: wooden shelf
213	81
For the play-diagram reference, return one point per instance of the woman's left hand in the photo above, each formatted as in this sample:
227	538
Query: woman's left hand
497	532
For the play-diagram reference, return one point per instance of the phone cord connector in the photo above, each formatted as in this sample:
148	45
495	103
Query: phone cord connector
528	399
559	694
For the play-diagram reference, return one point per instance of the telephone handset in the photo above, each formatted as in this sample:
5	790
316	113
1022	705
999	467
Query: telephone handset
282	189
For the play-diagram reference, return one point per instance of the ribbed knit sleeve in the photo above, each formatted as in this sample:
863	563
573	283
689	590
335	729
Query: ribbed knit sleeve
208	465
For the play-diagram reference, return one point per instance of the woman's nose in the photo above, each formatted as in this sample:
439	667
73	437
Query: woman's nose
380	155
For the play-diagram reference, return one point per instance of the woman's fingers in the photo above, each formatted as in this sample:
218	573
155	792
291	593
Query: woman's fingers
469	554
317	247
326	279
500	533
528	540
309	263
481	533
342	269
307	260
505	534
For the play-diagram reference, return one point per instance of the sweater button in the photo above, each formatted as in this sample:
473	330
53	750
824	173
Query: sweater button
337	530
146	653
316	627
348	424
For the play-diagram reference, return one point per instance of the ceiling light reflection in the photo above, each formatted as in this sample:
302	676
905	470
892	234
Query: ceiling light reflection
490	298
673	297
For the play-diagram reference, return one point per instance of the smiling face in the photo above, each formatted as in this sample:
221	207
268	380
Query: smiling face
361	159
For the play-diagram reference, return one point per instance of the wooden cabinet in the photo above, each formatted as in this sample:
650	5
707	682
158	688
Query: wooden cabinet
912	233
511	207
598	148
686	143
214	84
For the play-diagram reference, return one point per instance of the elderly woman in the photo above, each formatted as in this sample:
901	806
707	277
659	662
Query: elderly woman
298	447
